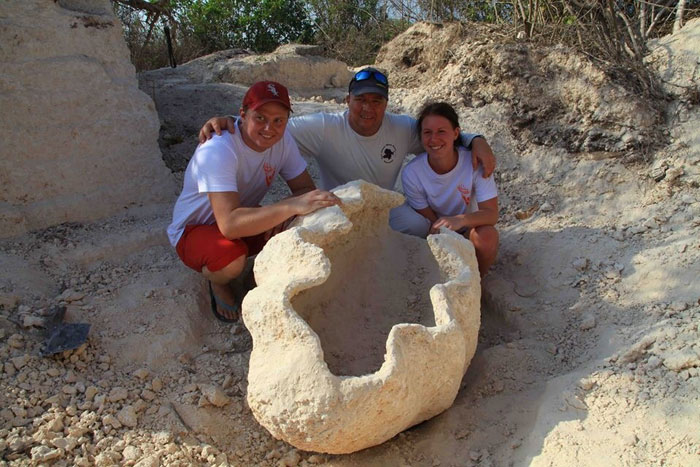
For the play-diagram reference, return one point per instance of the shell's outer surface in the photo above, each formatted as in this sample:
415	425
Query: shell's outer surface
291	390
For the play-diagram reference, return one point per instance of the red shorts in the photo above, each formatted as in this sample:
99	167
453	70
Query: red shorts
205	245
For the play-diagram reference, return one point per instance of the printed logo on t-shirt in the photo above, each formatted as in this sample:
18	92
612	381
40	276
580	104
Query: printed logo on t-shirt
464	191
269	173
388	152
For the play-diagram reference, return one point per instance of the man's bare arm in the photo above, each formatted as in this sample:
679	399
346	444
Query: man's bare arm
481	152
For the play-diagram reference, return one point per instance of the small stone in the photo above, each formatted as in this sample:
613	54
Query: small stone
580	264
8	301
629	439
215	395
111	421
546	207
617	235
118	394
90	392
16	444
19	362
637	229
162	437
19	412
55	399
55	424
9	369
474	455
682	359
674	173
185	359
16	341
66	444
148	395
105	459
53	372
675	306
316	459
29	321
70	295
70	390
209	450
131	453
637	350
654	362
651	223
228	380
291	459
658	170
44	453
127	416
141	373
150	461
588	322
586	384
156	384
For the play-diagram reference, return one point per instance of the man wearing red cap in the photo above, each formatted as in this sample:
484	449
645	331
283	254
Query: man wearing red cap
217	219
365	142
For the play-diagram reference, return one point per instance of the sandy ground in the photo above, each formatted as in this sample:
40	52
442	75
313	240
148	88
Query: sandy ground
589	351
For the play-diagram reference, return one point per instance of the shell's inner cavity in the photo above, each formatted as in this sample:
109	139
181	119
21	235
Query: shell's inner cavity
375	283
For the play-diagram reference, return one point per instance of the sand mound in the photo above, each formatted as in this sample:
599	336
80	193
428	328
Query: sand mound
555	96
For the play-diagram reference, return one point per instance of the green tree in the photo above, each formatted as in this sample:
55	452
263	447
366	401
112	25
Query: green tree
257	25
199	27
354	30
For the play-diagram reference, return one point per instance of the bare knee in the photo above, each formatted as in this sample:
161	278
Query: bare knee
485	239
227	273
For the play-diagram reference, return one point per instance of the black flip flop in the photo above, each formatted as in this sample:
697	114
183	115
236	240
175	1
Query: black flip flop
217	302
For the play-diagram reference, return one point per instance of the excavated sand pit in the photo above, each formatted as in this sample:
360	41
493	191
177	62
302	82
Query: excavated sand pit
346	354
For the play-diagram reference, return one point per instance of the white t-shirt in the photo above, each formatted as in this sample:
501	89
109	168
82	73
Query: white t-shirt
446	194
225	163
343	155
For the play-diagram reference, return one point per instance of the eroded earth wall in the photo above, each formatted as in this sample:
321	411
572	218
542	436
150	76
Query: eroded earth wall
78	138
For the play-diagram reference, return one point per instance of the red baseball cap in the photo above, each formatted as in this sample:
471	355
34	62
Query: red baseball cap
263	92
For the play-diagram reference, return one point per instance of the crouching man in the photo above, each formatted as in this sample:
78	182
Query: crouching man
217	219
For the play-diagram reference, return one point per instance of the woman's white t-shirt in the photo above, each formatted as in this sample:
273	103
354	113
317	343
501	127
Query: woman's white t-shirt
446	194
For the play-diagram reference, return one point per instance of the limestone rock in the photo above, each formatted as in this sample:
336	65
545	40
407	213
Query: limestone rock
91	150
215	395
127	416
339	361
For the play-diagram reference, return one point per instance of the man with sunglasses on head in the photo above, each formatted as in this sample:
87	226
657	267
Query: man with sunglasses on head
364	142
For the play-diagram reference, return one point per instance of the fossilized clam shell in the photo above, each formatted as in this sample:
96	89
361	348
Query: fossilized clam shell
349	348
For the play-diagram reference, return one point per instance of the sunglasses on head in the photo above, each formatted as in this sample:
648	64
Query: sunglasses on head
378	76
